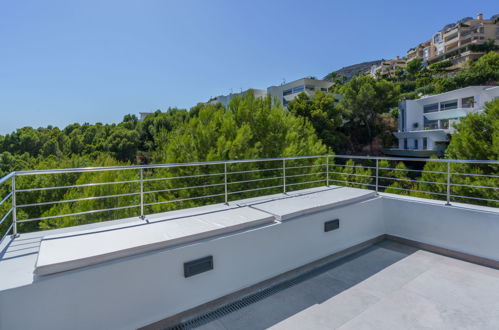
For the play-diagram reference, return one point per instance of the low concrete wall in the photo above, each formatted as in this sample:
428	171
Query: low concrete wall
136	291
463	228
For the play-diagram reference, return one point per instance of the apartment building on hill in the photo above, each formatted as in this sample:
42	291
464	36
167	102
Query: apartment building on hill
458	42
387	67
425	124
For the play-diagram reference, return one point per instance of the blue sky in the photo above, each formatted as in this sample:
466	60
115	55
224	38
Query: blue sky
95	61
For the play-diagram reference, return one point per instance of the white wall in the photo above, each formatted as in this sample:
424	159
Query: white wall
463	228
136	291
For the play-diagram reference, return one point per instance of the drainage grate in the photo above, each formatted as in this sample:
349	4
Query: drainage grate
257	296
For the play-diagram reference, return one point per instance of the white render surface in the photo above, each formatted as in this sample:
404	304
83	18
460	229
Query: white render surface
137	290
78	249
469	229
286	209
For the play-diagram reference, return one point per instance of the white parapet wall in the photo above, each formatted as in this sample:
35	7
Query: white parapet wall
459	227
138	290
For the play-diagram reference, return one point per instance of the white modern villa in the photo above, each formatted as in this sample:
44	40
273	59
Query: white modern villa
284	93
425	124
288	92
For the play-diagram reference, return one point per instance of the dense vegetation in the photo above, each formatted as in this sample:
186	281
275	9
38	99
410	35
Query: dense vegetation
417	79
356	117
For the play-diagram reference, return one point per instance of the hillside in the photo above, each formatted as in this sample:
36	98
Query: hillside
351	70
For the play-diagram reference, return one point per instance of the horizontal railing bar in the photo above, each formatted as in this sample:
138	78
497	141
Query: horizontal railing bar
477	198
77	200
7	177
355	166
484	175
304	174
422	191
354	174
305	166
255	180
6	197
77	186
364	184
410	180
305	182
254	189
472	186
79	213
411	170
182	177
436	160
7	232
183	188
183	199
133	167
6	215
256	170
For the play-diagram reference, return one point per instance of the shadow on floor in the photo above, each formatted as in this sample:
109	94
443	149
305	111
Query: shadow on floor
278	303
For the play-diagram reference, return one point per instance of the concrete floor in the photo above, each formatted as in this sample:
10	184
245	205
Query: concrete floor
386	286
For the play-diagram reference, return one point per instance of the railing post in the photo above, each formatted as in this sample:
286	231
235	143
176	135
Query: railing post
448	183
377	176
284	175
327	170
142	215
225	184
14	207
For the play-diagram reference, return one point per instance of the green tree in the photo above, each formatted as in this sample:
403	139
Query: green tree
414	67
363	100
320	109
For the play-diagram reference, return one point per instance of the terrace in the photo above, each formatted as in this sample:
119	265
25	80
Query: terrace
295	242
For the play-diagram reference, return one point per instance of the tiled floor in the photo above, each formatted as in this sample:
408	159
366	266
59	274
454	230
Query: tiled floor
386	286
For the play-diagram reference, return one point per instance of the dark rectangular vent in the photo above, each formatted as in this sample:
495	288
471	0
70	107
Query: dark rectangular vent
331	225
198	266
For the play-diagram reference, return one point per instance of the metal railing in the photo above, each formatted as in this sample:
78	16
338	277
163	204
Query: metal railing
234	178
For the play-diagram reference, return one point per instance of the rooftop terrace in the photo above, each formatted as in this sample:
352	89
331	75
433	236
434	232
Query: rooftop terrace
299	251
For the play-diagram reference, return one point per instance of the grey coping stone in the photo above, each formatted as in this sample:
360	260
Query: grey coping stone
301	204
63	252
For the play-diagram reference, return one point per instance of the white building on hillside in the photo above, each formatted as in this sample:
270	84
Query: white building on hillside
424	125
225	99
289	91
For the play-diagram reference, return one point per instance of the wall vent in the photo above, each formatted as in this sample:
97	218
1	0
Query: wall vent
331	225
198	266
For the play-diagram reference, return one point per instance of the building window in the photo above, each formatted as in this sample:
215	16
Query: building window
444	124
298	89
426	53
436	38
416	144
430	124
405	143
324	89
430	108
402	118
287	92
310	88
468	102
425	143
448	105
